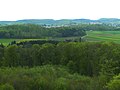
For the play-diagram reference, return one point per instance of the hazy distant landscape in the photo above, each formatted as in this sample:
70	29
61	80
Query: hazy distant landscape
104	29
52	22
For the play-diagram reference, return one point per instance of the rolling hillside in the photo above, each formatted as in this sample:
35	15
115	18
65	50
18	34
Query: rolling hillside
62	21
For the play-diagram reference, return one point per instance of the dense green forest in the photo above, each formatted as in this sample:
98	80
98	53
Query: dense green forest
36	31
56	64
62	66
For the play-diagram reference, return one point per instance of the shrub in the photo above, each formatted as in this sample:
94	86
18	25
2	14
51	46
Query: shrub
114	84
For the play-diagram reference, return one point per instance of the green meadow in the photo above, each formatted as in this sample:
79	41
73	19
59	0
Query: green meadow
92	36
110	36
7	41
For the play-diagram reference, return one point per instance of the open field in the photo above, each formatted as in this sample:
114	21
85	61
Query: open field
92	36
112	36
7	41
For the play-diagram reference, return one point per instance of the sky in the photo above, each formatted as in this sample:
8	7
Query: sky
11	10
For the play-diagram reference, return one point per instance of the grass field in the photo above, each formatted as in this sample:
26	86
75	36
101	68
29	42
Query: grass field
92	36
112	36
7	41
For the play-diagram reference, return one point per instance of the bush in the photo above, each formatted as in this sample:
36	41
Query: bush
6	87
114	84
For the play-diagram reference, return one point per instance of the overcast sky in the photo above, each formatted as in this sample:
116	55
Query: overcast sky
58	9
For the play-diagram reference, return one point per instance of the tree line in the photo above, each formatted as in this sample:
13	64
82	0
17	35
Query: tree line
99	27
37	31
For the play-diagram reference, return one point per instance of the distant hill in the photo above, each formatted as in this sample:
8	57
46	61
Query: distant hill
109	20
62	21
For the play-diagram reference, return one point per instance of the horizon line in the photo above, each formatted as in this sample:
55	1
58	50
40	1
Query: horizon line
56	19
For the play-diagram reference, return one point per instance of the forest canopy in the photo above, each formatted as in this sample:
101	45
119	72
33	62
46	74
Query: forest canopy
37	31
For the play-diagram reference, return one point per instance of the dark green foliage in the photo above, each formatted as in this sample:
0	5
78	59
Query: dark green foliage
42	78
85	58
114	84
37	31
72	66
40	42
99	27
1	55
6	87
11	55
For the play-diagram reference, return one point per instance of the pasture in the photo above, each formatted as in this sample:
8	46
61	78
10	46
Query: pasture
110	36
92	36
7	41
